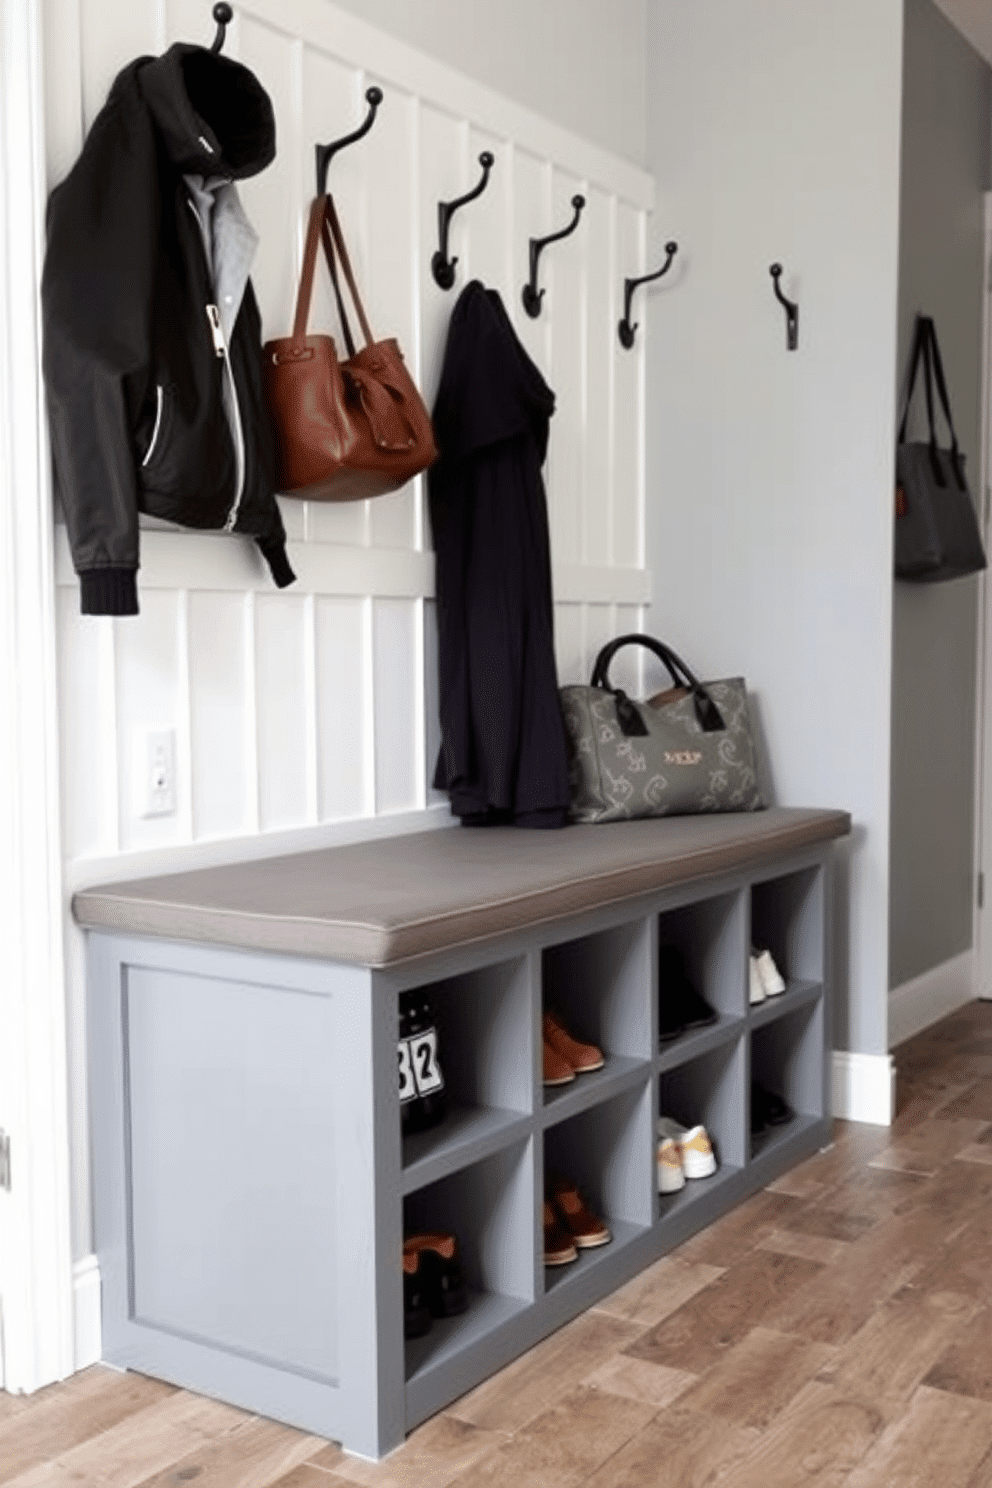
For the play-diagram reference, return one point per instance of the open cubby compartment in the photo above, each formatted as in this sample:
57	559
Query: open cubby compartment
599	987
489	1208
710	938
787	918
606	1151
707	1091
787	1059
486	1053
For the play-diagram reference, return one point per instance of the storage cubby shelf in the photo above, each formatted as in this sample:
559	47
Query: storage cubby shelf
698	1194
796	995
778	1140
691	1045
576	1274
618	1074
466	1135
487	1313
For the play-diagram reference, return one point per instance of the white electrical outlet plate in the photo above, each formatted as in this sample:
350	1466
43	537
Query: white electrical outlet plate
155	772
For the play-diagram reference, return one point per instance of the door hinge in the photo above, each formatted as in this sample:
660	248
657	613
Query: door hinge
4	1161
981	891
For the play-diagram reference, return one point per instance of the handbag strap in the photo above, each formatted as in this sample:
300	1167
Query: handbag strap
708	715
324	228
945	403
915	357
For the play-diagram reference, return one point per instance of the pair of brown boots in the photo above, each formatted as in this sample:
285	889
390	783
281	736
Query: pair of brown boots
569	1224
564	1056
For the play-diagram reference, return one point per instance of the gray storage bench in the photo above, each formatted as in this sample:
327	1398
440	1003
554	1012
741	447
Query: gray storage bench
251	1183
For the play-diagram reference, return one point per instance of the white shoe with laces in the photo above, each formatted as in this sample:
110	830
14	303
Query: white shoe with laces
694	1145
771	980
670	1175
756	990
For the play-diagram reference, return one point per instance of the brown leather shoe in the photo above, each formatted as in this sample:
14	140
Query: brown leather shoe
586	1229
557	1071
582	1058
559	1249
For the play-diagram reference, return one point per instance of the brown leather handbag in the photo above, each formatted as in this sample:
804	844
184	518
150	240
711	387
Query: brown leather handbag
344	430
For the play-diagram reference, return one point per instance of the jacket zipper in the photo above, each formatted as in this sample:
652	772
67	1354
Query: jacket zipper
159	405
220	348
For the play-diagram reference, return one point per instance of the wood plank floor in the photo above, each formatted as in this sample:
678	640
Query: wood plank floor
835	1330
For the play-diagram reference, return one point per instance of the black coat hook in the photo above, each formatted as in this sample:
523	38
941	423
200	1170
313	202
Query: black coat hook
532	296
791	310
223	15
323	153
625	330
442	267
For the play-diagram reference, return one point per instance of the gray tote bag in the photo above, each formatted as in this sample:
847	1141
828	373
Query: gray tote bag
687	750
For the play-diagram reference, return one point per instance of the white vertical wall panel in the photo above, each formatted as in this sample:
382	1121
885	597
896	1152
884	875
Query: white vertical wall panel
150	672
281	651
221	719
320	705
397	787
344	764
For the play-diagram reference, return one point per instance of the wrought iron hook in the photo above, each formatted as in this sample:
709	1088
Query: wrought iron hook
625	330
223	15
532	296
791	310
442	267
323	153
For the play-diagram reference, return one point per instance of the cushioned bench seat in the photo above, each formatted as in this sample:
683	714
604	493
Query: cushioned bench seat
382	902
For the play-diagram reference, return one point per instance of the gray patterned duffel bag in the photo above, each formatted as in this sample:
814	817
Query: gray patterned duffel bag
686	750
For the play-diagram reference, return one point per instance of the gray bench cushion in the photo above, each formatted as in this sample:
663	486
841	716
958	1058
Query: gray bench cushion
377	903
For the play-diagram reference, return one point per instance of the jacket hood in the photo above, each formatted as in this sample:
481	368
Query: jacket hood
214	116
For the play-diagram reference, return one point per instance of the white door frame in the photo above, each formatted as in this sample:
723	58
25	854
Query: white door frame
983	799
36	1297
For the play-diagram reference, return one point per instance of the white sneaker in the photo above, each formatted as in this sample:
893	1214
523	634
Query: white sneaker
756	990
695	1147
768	973
670	1175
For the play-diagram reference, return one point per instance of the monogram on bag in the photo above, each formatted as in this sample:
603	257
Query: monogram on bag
344	430
687	750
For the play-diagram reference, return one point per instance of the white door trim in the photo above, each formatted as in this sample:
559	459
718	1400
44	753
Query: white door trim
982	937
36	1282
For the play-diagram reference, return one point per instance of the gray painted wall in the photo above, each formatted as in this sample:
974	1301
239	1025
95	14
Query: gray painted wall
947	130
580	62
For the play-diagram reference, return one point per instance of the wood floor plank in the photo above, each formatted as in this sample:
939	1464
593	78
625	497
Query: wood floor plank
541	1377
563	1446
756	1379
659	1291
724	1243
929	1145
724	1313
965	1365
815	1443
255	1454
137	1447
941	1440
680	1448
899	1344
436	1453
807	1247
638	1380
63	1416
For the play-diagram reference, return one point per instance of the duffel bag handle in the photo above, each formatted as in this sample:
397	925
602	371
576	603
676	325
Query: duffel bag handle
708	715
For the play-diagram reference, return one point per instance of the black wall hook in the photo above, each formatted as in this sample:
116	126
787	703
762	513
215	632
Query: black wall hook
791	310
323	153
223	15
442	267
625	330
532	296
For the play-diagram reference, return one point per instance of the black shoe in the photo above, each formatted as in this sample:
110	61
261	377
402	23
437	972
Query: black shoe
680	1006
443	1284
767	1109
416	1316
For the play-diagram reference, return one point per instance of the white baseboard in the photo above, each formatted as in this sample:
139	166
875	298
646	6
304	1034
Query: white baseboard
864	1087
928	998
86	1311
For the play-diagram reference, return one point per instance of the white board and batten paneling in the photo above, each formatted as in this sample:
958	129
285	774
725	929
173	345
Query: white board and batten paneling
312	713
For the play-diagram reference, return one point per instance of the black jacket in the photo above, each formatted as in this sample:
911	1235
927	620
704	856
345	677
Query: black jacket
133	369
503	751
